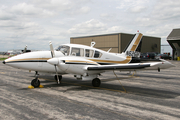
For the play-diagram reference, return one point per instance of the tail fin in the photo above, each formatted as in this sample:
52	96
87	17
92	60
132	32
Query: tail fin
134	43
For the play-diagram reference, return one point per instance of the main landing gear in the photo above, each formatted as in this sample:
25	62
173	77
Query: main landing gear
96	82
35	82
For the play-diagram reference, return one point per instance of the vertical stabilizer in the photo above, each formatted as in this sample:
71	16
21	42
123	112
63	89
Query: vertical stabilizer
134	43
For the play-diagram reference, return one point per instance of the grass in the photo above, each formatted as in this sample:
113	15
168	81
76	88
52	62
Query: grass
2	59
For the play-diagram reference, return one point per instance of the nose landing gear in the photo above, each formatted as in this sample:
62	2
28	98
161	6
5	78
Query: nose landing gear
35	82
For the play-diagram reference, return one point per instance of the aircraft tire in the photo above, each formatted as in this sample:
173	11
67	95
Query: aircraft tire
35	83
96	82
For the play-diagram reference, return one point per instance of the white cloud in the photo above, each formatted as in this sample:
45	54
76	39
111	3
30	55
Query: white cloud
88	27
167	9
16	26
138	9
5	15
29	9
147	22
118	29
68	6
133	6
85	9
45	37
57	20
162	30
24	8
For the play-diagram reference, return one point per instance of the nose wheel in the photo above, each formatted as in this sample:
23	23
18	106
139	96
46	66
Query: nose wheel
35	82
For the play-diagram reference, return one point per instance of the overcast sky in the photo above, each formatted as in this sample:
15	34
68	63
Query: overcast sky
36	22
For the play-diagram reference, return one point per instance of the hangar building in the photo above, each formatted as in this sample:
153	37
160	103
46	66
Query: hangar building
118	42
174	41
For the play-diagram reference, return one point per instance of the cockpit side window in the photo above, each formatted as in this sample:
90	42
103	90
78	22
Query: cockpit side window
97	54
64	49
77	52
89	53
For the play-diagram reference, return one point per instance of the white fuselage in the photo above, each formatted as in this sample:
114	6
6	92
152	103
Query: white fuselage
84	62
75	59
37	61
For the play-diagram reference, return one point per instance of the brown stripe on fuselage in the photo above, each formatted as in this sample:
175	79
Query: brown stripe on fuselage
78	61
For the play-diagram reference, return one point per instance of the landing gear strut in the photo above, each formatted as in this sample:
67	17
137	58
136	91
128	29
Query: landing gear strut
96	82
60	77
35	82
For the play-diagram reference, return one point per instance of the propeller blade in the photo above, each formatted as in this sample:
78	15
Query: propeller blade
57	75
53	61
52	49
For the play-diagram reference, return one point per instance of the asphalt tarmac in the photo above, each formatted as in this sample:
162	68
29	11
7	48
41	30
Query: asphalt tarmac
150	95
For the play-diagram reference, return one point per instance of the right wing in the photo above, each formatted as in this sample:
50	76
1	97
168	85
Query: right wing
134	66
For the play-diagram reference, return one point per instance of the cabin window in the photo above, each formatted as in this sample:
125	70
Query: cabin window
97	54
89	53
64	49
77	52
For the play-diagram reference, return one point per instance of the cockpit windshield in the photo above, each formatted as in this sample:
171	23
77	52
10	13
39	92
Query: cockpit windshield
64	49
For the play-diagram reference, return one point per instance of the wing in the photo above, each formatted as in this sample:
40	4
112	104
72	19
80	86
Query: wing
121	66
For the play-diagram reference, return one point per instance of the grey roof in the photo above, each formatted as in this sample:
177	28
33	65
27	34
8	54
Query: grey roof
174	35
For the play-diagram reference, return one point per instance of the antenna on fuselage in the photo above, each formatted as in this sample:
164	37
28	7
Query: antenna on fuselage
109	50
92	44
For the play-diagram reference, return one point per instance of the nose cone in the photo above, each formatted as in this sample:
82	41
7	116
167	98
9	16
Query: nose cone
53	61
4	62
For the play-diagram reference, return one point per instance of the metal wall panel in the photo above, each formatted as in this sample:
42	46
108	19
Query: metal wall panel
104	42
151	44
113	50
125	40
118	42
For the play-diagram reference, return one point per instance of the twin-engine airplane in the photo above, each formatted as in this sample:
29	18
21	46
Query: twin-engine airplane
84	62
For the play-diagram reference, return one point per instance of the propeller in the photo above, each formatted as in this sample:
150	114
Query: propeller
53	61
